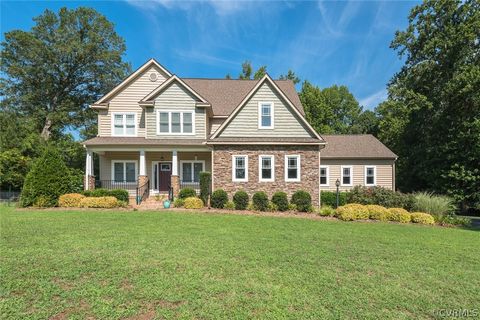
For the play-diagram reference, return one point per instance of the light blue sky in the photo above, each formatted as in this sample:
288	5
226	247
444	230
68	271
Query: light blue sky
325	42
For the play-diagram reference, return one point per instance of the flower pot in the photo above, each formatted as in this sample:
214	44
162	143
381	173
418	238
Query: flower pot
166	204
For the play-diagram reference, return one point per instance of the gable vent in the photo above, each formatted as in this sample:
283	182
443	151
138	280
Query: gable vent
153	77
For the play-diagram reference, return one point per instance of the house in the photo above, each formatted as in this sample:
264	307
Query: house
157	132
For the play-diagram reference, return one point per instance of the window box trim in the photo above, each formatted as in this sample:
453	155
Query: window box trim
374	176
234	179
192	162
327	171
124	121
124	171
170	133
351	176
272	161
272	113
299	175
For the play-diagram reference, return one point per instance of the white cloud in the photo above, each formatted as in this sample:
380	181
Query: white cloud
221	7
374	99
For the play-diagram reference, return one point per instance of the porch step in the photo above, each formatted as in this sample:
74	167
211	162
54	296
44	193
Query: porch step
153	202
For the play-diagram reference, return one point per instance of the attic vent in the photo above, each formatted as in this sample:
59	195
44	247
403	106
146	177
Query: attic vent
153	77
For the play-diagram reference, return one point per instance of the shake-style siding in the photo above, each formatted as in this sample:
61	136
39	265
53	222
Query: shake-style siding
384	172
245	123
175	97
127	101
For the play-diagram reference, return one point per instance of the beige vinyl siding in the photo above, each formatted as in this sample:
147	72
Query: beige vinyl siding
245	123
127	101
384	172
214	124
176	98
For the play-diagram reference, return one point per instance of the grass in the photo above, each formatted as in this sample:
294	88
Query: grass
145	265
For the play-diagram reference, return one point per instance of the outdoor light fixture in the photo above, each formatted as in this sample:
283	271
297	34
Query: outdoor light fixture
337	183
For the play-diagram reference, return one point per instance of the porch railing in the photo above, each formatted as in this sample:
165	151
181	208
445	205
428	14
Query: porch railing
195	185
114	184
142	192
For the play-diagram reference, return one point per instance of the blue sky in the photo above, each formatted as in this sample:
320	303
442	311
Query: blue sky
344	43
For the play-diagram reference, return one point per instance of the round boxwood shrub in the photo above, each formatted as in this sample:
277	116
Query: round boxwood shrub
422	217
240	199
187	193
280	200
219	198
46	181
377	212
399	215
302	200
260	201
193	203
120	194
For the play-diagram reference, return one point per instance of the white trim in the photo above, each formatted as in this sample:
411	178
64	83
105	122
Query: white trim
170	133
298	178
327	171
166	83
374	176
272	161
143	164
351	176
124	123
112	164
272	113
234	179
192	162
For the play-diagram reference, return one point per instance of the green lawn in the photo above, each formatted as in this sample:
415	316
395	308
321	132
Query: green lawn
107	264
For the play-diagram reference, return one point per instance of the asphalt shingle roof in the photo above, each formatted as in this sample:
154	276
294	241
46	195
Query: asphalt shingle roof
355	146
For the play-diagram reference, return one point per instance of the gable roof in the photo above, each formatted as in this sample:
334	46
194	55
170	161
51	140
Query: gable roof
266	79
347	146
102	102
226	94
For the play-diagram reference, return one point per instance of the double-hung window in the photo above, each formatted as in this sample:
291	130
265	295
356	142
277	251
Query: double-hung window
324	176
175	122
190	170
266	168
124	124
265	115
370	175
346	176
240	168
292	168
124	171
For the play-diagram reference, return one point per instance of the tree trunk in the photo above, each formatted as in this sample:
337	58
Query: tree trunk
46	129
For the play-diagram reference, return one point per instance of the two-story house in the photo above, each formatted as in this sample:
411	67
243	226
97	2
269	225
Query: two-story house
158	129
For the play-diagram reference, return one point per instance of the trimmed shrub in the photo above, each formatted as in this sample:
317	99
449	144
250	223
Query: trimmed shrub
187	193
422	217
99	202
240	199
455	220
219	198
120	194
399	215
229	205
178	203
280	199
205	182
100	192
352	211
380	196
437	206
272	207
329	198
193	203
260	201
302	200
326	211
46	181
70	200
376	212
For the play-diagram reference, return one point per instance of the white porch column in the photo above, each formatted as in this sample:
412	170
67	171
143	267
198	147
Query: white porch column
143	166
174	163
88	169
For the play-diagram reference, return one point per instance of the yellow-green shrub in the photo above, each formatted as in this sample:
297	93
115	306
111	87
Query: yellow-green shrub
376	212
423	218
70	200
399	215
352	211
99	202
193	203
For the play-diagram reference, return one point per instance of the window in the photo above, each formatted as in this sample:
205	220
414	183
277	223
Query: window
175	122
265	115
190	170
324	176
346	175
266	168
124	171
292	168
370	176
240	168
124	124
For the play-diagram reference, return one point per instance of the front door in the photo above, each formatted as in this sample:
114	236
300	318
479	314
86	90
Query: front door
164	175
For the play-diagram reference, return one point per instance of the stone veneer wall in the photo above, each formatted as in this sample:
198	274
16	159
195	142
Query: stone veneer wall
309	169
